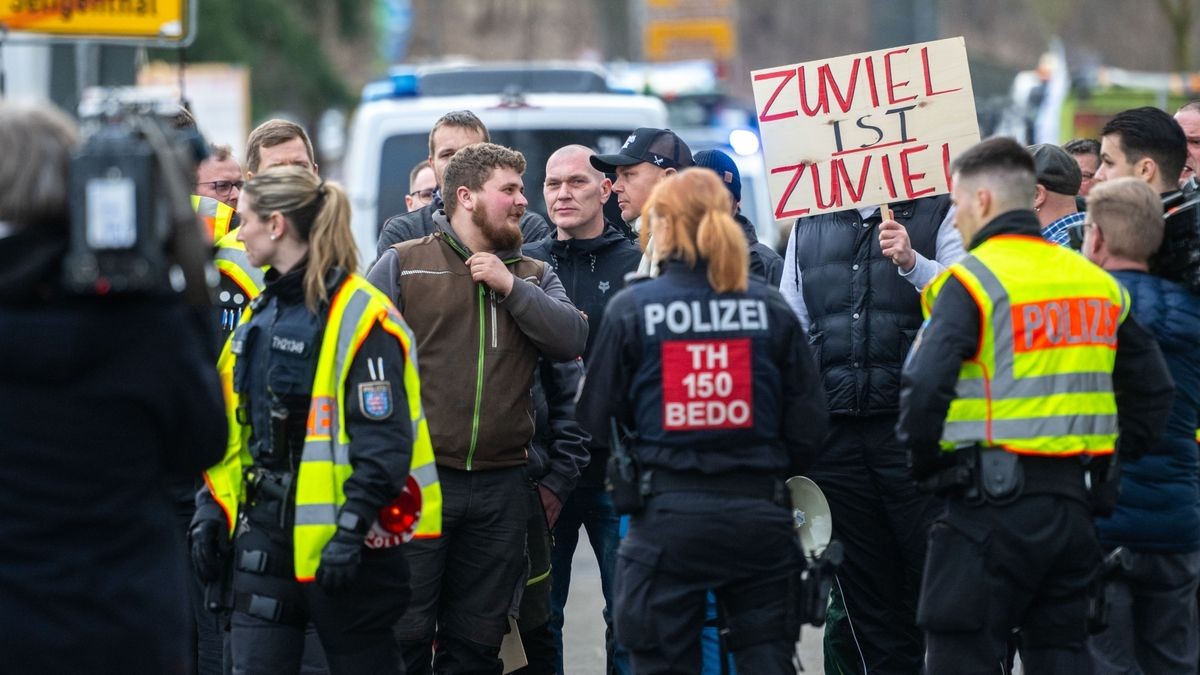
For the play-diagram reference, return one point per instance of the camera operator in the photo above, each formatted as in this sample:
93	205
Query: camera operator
103	398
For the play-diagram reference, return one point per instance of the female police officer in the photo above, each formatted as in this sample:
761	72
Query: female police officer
712	378
325	422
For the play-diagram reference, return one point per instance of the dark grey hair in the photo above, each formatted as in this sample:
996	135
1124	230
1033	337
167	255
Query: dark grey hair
38	140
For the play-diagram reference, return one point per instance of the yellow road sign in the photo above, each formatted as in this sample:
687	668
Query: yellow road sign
155	20
714	38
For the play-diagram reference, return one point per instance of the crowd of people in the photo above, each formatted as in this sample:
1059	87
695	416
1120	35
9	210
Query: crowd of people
997	391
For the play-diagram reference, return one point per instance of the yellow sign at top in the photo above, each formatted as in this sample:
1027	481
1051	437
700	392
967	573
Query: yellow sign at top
160	20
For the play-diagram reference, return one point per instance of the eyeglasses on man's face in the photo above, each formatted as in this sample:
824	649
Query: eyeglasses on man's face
224	187
423	195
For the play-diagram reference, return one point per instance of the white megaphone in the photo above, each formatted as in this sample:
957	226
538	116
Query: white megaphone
811	517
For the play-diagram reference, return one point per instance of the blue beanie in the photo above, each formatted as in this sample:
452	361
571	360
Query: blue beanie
725	169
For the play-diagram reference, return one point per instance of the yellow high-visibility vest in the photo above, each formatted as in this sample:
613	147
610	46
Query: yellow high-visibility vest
217	215
230	260
1041	383
355	309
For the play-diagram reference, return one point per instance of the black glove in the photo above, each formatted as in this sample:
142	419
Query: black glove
210	548
339	561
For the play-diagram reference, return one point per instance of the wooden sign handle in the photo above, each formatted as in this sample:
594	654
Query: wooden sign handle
885	212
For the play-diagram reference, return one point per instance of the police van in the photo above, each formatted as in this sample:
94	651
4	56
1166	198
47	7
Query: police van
533	108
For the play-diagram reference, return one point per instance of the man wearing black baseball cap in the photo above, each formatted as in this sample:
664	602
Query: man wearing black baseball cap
648	156
1058	181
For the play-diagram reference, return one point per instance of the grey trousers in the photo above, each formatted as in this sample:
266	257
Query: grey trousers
1152	620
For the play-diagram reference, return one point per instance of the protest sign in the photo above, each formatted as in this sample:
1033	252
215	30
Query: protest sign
864	129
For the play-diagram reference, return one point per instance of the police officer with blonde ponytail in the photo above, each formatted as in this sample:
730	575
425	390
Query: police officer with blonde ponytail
703	384
329	466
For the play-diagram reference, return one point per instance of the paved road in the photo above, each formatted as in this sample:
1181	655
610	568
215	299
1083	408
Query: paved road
584	630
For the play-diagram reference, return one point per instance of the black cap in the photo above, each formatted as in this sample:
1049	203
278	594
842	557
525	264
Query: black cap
660	147
1057	171
725	168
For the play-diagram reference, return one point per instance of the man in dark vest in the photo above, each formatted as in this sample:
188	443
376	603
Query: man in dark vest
853	279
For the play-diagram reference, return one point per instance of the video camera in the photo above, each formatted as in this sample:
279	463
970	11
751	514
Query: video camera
132	229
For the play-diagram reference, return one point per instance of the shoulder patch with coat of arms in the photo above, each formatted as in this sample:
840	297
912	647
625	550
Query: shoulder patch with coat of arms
376	400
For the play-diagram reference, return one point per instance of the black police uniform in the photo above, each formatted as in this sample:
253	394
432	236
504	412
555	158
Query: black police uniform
271	609
722	395
1025	560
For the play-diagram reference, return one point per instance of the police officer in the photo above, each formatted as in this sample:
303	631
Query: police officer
326	426
712	377
218	187
240	283
1008	406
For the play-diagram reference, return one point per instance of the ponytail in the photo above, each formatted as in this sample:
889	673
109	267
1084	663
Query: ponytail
721	242
320	214
330	243
690	213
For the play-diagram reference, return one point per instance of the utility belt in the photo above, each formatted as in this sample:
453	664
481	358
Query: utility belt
747	484
997	476
630	484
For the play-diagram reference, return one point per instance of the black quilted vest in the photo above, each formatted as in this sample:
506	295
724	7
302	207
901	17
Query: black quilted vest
864	314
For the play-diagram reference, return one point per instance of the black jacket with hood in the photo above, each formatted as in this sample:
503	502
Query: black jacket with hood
107	404
592	271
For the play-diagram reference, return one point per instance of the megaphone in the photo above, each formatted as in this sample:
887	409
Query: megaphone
810	514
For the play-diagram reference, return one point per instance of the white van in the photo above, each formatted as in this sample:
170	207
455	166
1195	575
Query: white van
391	134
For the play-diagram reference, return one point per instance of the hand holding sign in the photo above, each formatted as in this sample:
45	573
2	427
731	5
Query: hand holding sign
894	241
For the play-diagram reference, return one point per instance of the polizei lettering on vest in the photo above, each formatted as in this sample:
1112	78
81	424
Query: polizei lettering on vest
1066	322
698	316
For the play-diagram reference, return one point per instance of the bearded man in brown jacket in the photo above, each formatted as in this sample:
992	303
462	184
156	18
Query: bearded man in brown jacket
481	314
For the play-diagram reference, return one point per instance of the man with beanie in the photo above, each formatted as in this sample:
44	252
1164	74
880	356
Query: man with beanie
648	156
765	264
1058	181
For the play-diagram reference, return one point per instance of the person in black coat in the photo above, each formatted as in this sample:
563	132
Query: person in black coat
711	374
104	402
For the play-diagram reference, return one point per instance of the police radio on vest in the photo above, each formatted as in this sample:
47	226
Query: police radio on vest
715	316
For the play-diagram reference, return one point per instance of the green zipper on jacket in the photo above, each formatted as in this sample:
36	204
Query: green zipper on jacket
478	379
482	342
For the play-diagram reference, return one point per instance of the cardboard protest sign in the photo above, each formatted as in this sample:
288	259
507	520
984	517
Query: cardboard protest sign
864	129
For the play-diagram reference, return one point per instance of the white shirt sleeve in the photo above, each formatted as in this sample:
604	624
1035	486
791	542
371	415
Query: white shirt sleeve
949	251
791	285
